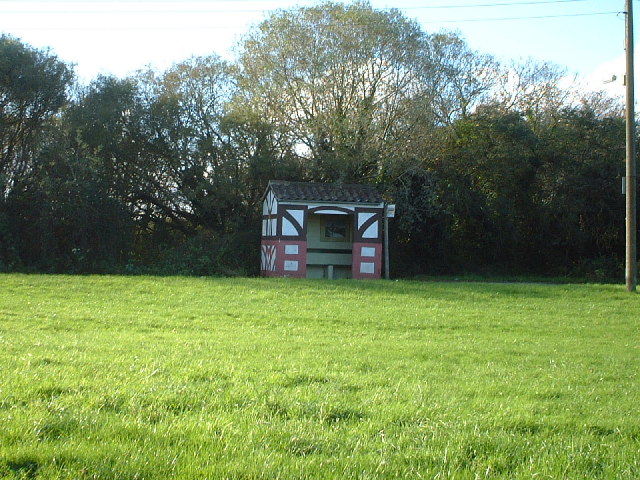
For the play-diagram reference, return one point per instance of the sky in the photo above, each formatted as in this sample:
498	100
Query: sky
121	36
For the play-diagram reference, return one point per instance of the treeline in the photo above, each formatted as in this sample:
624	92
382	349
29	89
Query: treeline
493	167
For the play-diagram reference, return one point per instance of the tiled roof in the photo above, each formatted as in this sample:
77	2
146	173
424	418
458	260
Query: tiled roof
324	192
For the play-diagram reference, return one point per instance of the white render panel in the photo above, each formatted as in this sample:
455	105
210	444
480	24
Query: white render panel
291	249
329	211
363	217
368	252
372	231
270	228
264	227
367	267
288	229
298	215
270	205
325	206
291	265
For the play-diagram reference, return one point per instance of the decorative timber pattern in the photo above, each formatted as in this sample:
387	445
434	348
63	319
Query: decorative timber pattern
300	237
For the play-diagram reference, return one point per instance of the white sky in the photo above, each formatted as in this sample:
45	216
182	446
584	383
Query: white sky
121	36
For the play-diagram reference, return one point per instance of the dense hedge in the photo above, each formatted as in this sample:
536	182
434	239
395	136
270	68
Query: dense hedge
164	172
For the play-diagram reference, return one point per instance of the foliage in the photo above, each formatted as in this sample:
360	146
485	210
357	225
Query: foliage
513	196
66	219
205	253
149	377
582	208
335	80
33	87
460	79
494	167
9	258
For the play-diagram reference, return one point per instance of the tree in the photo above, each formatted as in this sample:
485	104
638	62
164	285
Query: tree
211	156
63	216
190	104
578	189
107	121
33	88
459	79
335	80
534	89
491	166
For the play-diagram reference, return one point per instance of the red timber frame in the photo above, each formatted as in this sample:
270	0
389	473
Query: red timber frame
367	243
284	253
284	248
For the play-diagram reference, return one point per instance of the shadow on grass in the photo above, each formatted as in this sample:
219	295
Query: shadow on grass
22	468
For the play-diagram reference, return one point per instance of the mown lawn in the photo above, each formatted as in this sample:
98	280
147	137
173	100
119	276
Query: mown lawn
111	377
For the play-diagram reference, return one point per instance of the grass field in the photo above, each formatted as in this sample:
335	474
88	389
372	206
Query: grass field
191	378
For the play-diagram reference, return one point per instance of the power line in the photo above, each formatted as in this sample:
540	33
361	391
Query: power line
248	10
334	25
528	17
532	17
506	4
131	2
230	11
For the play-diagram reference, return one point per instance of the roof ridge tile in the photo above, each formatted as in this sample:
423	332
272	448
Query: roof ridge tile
325	192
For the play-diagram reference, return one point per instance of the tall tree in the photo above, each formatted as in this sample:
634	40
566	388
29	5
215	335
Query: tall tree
459	79
33	87
107	120
334	79
534	89
578	188
64	216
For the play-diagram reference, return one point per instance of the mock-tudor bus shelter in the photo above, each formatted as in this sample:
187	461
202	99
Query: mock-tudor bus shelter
321	230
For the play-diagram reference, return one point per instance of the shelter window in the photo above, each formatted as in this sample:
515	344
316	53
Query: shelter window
335	228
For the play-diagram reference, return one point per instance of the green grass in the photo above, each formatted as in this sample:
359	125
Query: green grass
150	377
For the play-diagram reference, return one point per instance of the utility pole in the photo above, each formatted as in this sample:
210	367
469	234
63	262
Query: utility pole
386	241
631	266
